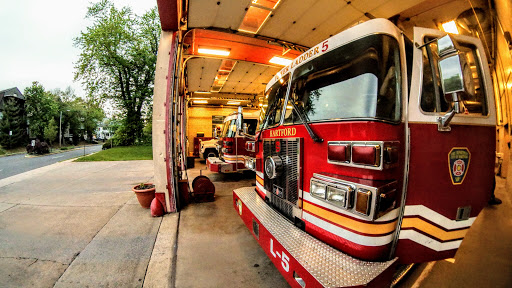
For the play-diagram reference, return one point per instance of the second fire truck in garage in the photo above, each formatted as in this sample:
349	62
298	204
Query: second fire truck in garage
374	151
231	143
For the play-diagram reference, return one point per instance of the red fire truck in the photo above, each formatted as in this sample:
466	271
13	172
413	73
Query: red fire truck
374	151
231	143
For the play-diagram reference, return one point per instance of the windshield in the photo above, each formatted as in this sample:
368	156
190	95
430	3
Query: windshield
359	80
273	103
229	128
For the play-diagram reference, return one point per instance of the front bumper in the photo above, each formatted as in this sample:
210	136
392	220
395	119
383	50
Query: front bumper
219	166
303	260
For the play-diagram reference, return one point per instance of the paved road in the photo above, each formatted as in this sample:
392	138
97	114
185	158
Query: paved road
16	164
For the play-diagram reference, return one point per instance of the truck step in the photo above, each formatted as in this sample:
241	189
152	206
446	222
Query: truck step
311	259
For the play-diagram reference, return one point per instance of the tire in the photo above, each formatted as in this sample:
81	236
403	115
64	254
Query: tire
210	153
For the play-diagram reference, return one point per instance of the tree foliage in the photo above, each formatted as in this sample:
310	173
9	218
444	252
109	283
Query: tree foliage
40	107
118	59
80	117
13	131
51	131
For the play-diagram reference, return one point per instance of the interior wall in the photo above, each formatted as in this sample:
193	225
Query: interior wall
200	120
503	83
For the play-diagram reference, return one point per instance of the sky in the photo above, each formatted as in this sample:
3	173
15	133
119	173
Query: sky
36	40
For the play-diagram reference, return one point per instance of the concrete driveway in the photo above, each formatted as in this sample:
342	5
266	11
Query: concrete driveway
76	225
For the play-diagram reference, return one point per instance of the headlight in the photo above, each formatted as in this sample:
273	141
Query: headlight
337	196
250	163
317	189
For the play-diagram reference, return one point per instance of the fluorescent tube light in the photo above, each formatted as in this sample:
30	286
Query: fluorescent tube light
280	61
213	51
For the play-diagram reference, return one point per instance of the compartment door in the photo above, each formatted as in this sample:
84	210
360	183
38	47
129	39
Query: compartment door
451	173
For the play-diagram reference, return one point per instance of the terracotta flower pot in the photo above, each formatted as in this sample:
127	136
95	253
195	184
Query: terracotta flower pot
145	196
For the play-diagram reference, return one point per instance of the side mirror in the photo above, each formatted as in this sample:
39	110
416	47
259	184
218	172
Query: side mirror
215	134
245	128
455	78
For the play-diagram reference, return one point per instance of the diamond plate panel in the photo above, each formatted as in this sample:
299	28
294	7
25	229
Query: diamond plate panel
329	266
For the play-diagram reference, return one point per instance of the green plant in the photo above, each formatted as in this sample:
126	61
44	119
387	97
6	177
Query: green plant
144	186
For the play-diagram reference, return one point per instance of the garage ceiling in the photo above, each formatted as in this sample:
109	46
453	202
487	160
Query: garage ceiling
284	24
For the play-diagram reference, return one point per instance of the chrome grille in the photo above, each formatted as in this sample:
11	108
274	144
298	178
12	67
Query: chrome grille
288	181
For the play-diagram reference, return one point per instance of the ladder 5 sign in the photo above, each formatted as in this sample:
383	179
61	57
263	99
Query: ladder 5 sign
458	163
282	255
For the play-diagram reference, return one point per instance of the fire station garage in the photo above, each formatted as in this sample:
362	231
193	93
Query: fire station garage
335	143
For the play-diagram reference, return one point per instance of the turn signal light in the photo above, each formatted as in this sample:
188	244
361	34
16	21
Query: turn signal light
363	201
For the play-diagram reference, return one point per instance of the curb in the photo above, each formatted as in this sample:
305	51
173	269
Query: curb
61	151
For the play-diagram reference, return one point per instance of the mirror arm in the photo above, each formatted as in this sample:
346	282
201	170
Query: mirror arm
443	122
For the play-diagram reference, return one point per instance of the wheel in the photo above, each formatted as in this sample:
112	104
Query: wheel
210	153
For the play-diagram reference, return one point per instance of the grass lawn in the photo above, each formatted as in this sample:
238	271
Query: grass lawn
120	154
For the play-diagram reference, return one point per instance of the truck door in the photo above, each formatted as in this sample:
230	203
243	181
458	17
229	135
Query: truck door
451	169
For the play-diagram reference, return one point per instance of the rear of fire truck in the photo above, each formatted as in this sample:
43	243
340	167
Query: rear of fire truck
231	143
374	151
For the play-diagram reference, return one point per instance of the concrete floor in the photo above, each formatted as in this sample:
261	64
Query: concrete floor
76	225
215	249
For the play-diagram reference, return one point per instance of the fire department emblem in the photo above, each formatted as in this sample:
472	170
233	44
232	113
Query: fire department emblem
458	163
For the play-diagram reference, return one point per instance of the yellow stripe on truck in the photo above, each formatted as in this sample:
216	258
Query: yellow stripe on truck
432	230
361	227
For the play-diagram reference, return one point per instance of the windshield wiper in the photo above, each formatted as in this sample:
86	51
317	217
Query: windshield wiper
302	118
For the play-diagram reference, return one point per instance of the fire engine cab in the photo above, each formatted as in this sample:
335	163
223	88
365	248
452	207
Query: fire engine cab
374	151
231	143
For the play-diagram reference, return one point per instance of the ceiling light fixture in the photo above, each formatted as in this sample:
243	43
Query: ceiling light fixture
233	103
280	61
450	27
214	51
200	101
202	92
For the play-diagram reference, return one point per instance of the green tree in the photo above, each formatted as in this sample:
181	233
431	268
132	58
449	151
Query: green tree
40	107
13	131
51	131
118	59
78	115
